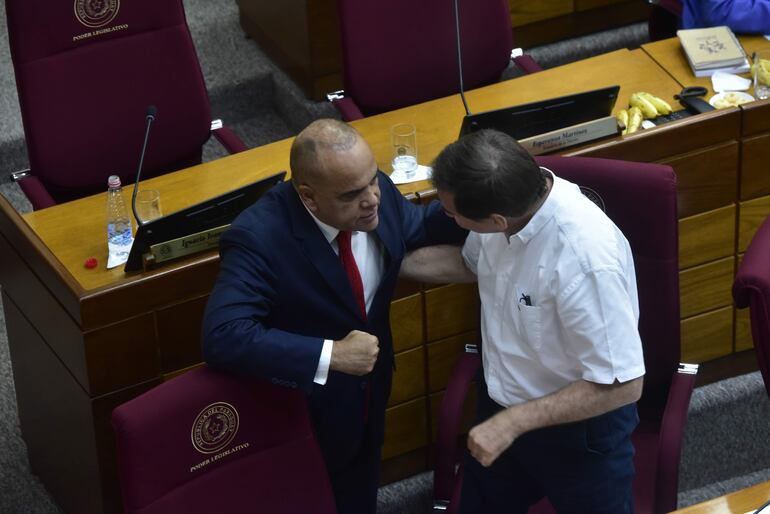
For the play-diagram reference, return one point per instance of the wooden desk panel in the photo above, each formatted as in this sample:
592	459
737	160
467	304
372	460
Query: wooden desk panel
707	237
752	214
706	287
707	336
755	167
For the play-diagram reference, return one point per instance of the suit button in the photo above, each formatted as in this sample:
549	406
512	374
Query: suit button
274	380
363	386
293	385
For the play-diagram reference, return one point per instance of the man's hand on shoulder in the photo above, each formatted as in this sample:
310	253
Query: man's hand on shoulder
356	354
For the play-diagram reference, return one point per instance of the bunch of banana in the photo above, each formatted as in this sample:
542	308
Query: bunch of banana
641	106
763	73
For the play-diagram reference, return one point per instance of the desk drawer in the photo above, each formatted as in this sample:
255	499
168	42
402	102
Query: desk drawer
406	322
755	163
707	336
707	179
409	377
442	357
751	214
706	287
451	310
706	237
406	428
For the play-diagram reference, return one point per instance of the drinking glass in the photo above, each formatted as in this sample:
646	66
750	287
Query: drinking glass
404	138
148	205
761	67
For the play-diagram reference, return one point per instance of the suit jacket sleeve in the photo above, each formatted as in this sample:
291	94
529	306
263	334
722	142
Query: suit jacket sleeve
237	336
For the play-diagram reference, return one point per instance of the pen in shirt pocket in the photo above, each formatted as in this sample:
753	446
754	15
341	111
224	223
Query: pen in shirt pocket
524	299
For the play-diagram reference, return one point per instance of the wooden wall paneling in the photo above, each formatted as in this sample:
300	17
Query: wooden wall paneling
707	236
580	22
451	310
406	322
707	336
755	167
406	428
166	286
179	334
302	36
43	310
469	410
671	139
706	287
524	12
442	357
38	257
408	377
706	179
173	374
751	214
122	354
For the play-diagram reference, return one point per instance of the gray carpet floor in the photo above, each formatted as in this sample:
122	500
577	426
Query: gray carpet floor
729	424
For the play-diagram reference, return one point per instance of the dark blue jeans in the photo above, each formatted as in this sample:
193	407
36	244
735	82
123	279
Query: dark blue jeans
583	468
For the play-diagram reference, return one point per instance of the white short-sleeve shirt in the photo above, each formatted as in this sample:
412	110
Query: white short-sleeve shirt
558	300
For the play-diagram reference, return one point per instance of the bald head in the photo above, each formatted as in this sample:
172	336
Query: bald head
309	149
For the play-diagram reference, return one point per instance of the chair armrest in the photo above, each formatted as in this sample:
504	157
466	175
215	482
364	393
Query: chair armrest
671	431
227	137
345	106
449	419
524	62
35	191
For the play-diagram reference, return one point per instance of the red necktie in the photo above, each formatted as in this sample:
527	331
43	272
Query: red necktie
349	263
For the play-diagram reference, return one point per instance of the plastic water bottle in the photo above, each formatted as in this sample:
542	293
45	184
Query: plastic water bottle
118	223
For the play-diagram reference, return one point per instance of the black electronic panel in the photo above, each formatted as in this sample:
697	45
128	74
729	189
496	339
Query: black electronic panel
532	119
209	214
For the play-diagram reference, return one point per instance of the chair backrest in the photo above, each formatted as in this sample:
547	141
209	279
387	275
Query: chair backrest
402	52
85	77
752	289
208	442
641	199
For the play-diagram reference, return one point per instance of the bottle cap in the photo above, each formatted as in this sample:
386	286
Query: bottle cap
113	181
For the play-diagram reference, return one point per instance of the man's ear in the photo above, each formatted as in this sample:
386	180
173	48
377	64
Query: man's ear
307	195
500	221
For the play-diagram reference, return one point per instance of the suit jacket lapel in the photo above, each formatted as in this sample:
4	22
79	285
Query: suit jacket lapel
319	251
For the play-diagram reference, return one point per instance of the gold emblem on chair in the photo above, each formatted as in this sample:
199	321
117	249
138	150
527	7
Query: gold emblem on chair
96	13
214	427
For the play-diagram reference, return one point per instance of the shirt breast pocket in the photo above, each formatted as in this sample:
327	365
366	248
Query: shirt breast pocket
531	324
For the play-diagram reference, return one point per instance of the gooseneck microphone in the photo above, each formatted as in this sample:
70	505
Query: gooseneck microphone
151	112
460	58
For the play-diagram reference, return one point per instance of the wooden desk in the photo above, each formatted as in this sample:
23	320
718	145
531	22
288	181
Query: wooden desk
669	55
82	341
740	502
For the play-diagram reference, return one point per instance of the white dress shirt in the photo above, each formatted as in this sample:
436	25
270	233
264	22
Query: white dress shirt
367	251
559	300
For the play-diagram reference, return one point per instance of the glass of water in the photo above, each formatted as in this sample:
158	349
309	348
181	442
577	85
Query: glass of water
761	69
404	138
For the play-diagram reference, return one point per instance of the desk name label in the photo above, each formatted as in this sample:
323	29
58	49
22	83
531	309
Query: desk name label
571	136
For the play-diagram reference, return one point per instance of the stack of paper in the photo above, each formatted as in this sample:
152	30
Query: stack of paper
713	49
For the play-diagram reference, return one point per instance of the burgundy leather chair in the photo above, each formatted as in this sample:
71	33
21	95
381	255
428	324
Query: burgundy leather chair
752	289
86	76
641	200
208	442
402	52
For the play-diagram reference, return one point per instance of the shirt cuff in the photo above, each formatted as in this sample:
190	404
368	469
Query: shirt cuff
322	373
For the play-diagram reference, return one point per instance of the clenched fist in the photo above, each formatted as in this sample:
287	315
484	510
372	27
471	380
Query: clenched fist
355	354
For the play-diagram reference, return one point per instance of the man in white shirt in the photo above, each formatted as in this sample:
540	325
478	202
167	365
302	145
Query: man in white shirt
561	352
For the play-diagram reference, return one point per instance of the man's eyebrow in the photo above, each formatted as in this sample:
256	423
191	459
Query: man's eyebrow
356	192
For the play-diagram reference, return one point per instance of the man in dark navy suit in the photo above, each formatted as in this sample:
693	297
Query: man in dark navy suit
304	291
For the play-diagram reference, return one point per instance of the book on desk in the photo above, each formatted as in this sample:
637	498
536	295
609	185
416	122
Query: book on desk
713	49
